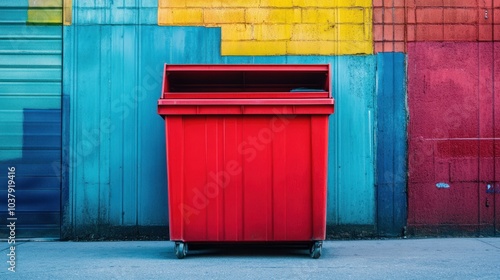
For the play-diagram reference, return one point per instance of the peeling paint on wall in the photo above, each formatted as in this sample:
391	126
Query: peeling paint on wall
442	186
453	136
493	188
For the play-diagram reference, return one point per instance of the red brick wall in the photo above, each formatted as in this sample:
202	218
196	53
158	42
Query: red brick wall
396	22
453	137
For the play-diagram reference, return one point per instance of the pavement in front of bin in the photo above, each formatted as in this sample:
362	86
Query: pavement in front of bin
445	258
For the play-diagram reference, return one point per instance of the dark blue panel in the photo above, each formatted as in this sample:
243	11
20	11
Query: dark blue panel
385	208
65	162
33	200
42	129
31	182
391	144
39	224
28	169
37	174
33	220
42	115
42	141
37	156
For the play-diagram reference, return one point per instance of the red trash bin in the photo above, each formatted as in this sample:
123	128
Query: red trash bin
246	153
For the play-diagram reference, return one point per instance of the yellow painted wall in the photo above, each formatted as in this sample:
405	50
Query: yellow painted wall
45	11
279	27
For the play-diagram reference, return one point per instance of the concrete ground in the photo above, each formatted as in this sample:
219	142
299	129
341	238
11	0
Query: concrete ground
453	258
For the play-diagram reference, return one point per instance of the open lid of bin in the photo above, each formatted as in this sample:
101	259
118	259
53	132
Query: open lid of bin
246	89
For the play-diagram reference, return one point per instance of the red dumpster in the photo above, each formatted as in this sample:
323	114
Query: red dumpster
246	153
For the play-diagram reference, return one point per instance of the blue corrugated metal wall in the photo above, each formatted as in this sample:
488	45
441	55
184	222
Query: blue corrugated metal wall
391	144
351	198
117	169
116	153
114	156
30	120
114	150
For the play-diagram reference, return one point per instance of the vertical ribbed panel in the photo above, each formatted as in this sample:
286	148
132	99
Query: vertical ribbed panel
116	159
118	12
351	162
30	120
391	144
13	12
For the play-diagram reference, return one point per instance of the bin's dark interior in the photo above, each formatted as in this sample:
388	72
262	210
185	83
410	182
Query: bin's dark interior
246	81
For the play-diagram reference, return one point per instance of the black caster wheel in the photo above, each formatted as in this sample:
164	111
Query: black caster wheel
315	250
181	249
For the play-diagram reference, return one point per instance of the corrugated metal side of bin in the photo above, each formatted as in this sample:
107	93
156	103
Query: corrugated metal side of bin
246	151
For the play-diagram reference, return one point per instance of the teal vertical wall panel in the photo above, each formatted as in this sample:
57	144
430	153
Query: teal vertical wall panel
351	199
114	91
104	174
30	120
88	144
118	12
129	70
68	159
13	12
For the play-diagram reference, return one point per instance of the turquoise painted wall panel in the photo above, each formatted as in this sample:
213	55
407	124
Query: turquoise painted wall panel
30	119
121	180
13	14
30	60
41	46
32	88
116	154
38	32
5	4
115	12
27	74
10	102
29	78
351	198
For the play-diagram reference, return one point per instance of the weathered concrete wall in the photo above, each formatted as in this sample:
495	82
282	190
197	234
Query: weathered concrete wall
453	130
